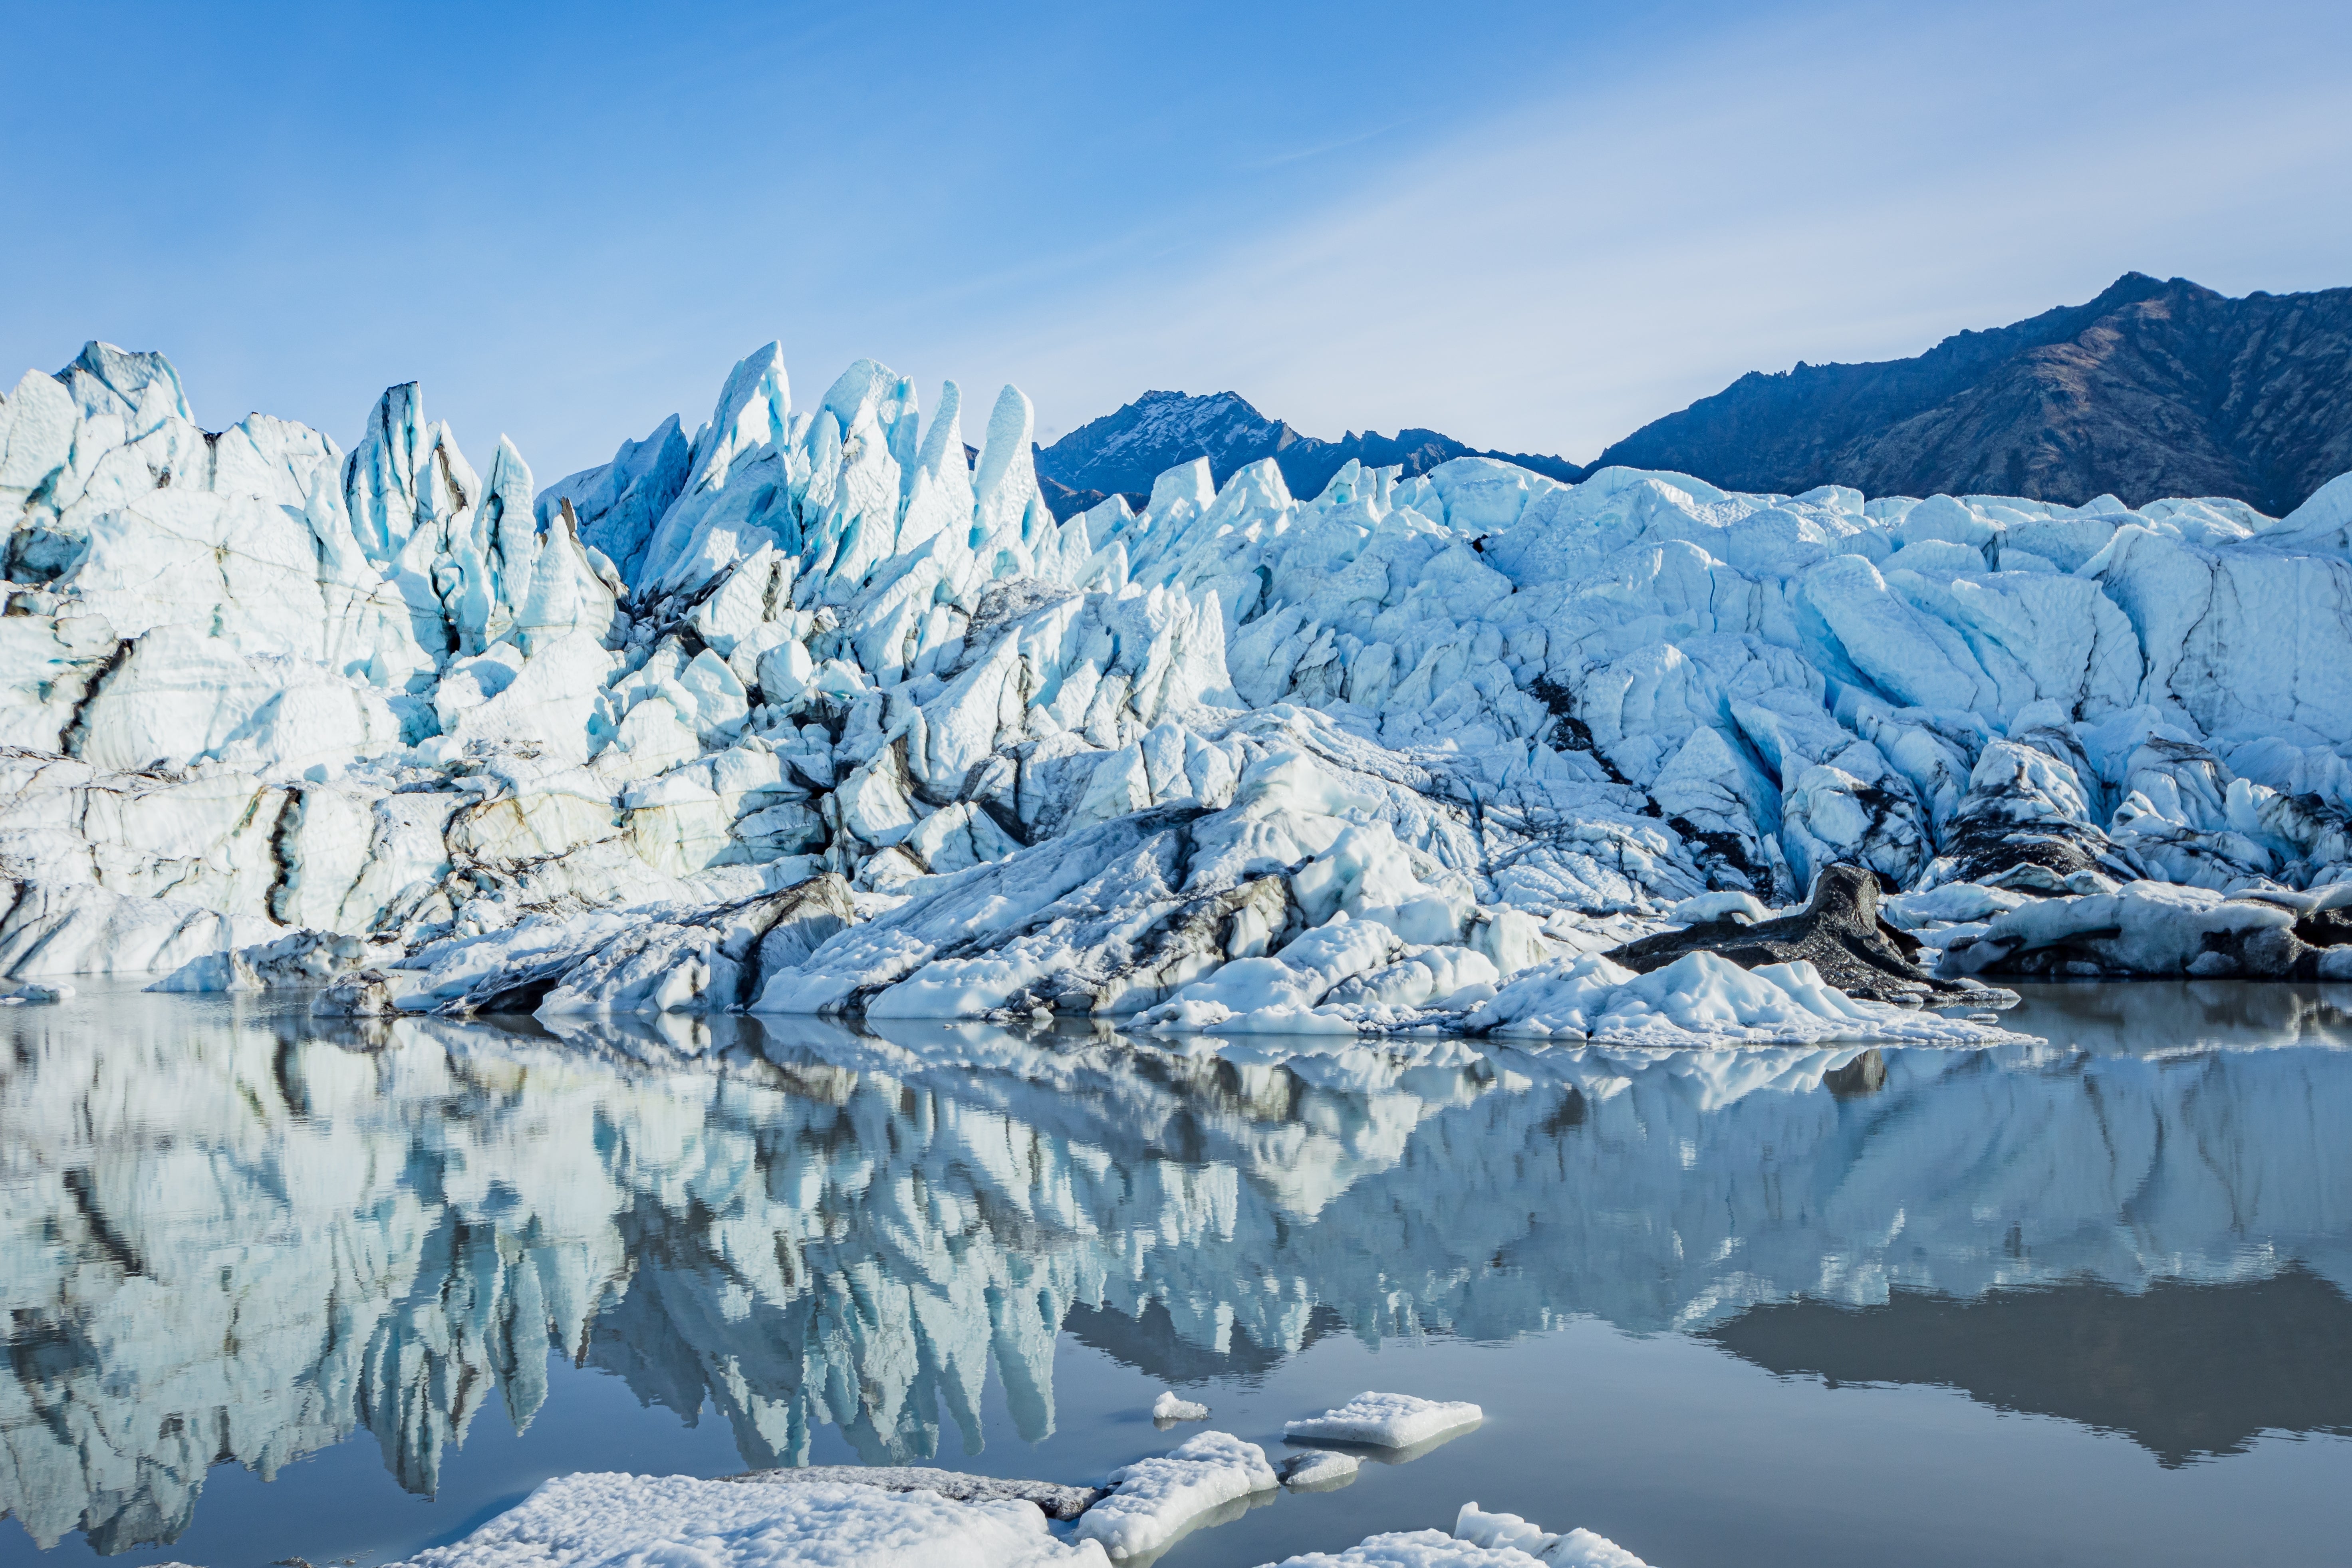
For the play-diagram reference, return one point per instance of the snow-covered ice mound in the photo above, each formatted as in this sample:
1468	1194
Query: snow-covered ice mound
1385	1421
1479	1540
1170	1407
1152	1501
381	713
1702	999
606	1521
1056	1500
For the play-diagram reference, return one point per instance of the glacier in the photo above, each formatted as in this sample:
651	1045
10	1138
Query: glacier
810	713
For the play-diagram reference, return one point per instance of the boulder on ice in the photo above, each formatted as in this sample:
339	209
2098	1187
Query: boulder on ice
1840	933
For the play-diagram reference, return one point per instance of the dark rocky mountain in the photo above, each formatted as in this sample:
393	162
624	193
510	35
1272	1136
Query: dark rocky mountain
1124	452
2155	388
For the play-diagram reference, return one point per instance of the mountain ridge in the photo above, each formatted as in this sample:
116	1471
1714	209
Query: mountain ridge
2153	387
1124	451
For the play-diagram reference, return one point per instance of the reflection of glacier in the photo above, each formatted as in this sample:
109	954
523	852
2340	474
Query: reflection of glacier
224	1239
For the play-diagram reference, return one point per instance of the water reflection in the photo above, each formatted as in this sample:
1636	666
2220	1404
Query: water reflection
2186	1370
226	1235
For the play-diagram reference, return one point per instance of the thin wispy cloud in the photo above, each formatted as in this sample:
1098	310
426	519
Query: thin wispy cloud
1555	278
1300	155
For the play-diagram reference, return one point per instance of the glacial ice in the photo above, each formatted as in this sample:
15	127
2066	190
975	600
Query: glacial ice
1479	1540
1172	1406
1319	1469
1152	1500
1385	1420
1398	757
605	1520
1055	1499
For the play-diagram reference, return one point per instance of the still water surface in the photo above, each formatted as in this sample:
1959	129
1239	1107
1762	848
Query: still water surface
275	1288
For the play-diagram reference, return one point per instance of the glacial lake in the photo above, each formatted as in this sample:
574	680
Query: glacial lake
277	1288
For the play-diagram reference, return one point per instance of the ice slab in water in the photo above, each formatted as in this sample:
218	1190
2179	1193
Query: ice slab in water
1058	1502
1385	1420
591	1519
1153	1500
1319	1469
1479	1541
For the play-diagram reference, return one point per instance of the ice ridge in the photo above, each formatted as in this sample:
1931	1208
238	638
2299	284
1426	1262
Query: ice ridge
1243	761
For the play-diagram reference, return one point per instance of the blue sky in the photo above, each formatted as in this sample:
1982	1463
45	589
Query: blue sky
1533	226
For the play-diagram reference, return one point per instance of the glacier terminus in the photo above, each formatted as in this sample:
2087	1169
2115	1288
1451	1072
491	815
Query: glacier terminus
812	713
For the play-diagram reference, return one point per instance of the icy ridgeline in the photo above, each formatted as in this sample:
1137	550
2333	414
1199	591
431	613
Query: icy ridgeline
856	1233
375	708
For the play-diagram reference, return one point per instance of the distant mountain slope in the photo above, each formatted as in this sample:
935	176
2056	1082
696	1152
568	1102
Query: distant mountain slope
1125	451
2152	389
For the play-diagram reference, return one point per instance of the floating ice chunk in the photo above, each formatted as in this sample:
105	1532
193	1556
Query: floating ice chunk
592	1520
1058	1502
1480	1540
1155	1498
1319	1469
1168	1407
1386	1420
33	991
1413	1549
1577	1548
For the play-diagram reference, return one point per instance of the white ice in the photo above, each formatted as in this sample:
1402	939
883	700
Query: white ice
1170	1406
1385	1420
608	1521
1152	1500
1479	1540
1394	757
1319	1469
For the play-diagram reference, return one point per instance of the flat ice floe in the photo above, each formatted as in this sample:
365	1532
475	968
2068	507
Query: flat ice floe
1319	1469
1153	1500
806	713
1057	1501
1386	1421
1479	1540
606	1521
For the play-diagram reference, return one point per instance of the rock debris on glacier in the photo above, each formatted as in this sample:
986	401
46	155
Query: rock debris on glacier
808	713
